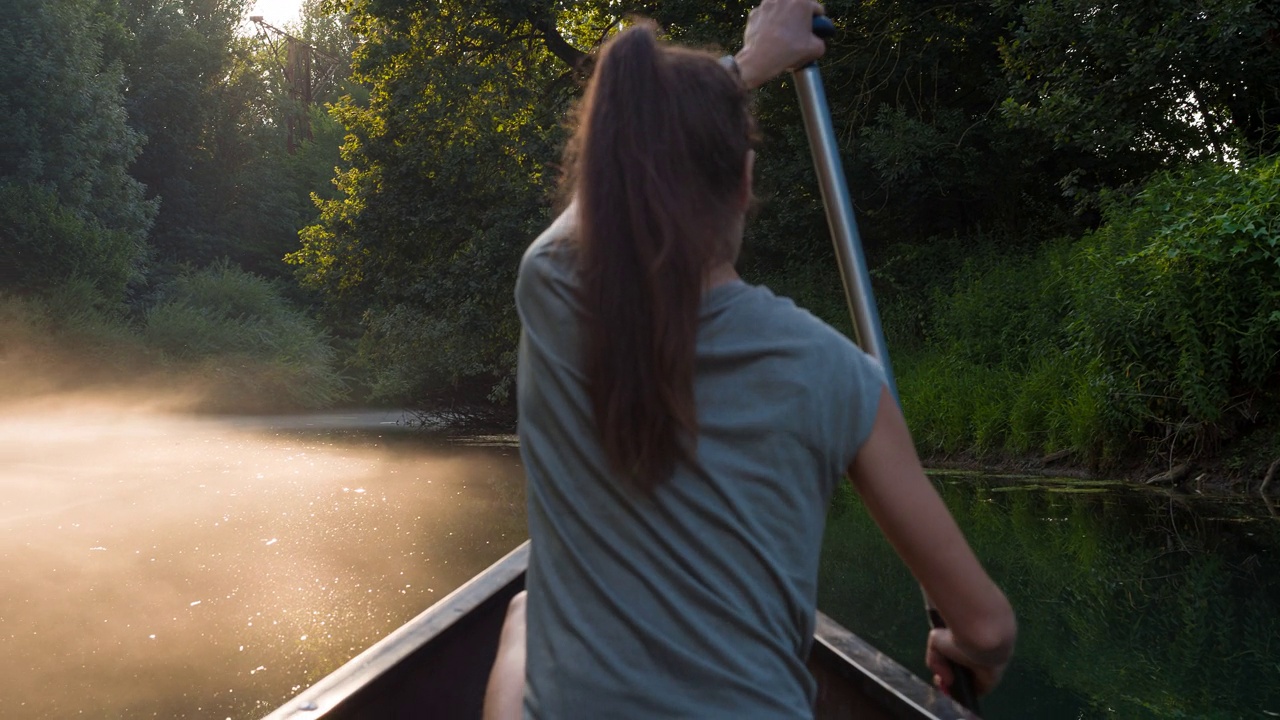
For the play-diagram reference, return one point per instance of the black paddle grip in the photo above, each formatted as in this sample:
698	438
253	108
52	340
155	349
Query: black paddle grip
823	27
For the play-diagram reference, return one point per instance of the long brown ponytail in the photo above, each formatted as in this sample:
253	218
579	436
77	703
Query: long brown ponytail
657	167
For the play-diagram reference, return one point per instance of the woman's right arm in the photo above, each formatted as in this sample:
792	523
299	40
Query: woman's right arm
981	627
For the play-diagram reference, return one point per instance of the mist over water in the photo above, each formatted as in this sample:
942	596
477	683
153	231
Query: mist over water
163	565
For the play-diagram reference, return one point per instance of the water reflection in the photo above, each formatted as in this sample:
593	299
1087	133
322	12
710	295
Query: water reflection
162	566
1131	604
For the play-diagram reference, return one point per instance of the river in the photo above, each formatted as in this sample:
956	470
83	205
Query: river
1133	603
159	565
172	567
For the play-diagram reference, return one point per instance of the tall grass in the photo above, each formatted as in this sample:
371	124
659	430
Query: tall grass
237	331
223	335
1158	333
67	337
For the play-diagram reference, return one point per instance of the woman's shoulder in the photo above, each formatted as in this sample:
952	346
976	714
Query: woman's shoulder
552	248
784	329
549	264
780	317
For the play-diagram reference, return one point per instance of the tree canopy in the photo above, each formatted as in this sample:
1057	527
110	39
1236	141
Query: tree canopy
142	138
1132	88
68	204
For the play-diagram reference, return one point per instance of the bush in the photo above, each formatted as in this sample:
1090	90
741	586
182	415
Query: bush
1005	308
914	279
954	405
1162	326
48	244
1177	299
239	330
990	375
66	337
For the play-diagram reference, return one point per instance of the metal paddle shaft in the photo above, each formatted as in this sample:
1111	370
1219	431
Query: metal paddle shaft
853	266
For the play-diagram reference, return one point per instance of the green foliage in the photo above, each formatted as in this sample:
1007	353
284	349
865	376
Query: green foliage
69	204
985	372
48	243
913	90
216	153
1129	88
1005	306
953	405
1177	296
449	158
447	184
452	122
244	334
1038	417
1161	327
64	337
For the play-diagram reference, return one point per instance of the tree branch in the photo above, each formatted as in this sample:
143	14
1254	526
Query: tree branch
568	54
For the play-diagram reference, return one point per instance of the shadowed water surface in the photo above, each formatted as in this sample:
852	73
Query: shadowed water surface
164	566
1132	604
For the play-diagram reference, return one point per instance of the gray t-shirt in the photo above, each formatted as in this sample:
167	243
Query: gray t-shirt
696	601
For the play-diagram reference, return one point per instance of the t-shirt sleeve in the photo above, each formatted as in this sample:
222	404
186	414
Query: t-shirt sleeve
545	289
860	380
531	283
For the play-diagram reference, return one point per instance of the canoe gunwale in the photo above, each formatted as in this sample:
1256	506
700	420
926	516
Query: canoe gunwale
342	685
387	679
888	684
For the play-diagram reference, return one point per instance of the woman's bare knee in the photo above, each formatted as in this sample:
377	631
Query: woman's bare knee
504	696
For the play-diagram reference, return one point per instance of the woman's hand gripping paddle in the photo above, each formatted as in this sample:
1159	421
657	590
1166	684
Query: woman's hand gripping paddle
853	266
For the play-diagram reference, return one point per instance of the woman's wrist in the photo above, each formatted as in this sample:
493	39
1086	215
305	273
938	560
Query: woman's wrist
750	70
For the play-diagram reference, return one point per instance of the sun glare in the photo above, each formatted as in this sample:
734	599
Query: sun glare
277	12
155	560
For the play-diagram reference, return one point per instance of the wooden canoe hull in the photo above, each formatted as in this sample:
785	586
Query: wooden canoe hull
436	666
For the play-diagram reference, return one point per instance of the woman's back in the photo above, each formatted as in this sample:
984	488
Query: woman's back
683	432
694	599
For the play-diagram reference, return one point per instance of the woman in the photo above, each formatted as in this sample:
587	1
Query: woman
683	431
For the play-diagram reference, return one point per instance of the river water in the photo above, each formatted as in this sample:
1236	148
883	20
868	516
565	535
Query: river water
169	567
1132	603
165	566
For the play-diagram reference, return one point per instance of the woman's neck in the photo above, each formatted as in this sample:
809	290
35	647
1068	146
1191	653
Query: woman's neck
721	274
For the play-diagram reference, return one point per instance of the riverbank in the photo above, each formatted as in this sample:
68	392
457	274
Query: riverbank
1237	473
1219	476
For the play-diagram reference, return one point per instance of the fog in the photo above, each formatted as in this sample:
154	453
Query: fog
160	564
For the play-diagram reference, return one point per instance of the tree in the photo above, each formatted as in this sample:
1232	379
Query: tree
177	56
1177	301
451	172
914	88
1132	88
68	207
452	158
213	108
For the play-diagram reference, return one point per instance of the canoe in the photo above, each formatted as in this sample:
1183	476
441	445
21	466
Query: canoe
436	666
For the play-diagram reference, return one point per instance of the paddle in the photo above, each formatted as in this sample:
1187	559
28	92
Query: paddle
853	266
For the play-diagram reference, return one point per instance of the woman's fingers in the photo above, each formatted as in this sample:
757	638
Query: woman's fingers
938	662
942	650
779	36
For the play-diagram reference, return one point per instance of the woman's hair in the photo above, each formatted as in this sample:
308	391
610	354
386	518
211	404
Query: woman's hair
657	168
